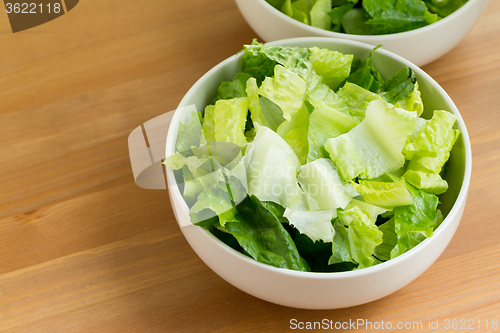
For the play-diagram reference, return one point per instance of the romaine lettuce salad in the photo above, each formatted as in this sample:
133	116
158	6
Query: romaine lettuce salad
367	17
310	160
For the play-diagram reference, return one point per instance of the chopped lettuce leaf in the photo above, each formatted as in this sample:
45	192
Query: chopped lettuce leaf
341	250
433	144
373	147
263	111
319	14
271	114
317	225
444	8
298	61
288	90
260	233
365	75
412	102
399	86
208	125
271	167
389	16
229	120
190	134
234	89
415	222
325	122
336	15
357	99
386	194
363	235
333	66
429	182
389	241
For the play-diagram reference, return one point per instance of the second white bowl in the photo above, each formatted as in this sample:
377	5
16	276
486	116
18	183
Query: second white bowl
420	46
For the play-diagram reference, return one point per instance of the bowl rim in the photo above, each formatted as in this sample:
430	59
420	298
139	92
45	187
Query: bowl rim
393	36
461	198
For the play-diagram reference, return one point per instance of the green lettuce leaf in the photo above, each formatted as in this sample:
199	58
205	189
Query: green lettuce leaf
319	14
365	75
288	90
317	225
336	15
333	66
208	125
235	88
297	60
276	3
260	233
431	148
415	222
373	147
393	16
190	134
362	233
389	241
430	182
386	194
357	99
271	167
257	65
230	117
341	250
399	86
444	7
325	122
299	10
322	185
412	102
272	116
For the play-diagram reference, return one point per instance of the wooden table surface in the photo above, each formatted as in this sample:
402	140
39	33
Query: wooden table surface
83	249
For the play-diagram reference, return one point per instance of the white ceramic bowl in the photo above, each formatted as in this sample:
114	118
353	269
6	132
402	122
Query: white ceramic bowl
326	290
420	46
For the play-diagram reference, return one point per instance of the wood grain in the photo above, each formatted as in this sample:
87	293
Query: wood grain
83	249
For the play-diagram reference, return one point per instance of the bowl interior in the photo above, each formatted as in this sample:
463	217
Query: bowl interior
434	98
318	31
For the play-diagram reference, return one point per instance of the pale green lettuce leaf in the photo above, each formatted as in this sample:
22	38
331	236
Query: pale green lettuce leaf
325	122
317	225
373	147
333	66
319	14
386	194
263	111
271	167
433	144
322	185
208	125
357	99
362	233
412	102
288	90
430	182
230	117
190	134
415	222
298	61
